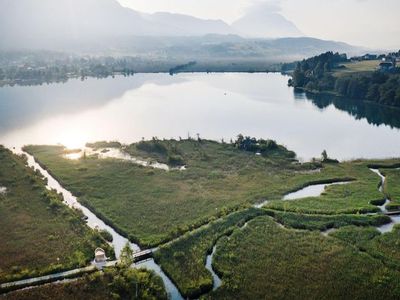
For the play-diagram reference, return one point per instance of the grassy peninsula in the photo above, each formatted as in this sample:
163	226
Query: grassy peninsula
153	206
213	202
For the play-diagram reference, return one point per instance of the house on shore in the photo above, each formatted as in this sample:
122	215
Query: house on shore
388	64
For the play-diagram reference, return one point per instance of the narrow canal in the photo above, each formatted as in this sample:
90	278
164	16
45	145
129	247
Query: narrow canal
96	223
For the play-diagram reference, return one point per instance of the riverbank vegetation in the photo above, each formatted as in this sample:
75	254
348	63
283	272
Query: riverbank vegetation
383	247
184	259
264	260
359	196
152	206
40	235
325	222
331	73
110	284
221	183
392	187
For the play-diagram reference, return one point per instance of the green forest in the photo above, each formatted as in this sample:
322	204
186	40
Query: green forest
323	73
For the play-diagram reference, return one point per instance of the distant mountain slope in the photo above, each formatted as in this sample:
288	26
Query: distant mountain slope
104	27
43	23
264	24
219	47
177	24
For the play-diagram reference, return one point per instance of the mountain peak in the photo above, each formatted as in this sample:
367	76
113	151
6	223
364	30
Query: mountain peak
266	23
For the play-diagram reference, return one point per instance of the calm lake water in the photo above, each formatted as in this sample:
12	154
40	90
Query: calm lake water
214	105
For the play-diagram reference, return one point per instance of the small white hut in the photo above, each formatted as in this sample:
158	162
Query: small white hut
100	256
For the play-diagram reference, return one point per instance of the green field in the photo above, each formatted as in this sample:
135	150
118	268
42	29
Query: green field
369	240
111	284
264	261
325	222
153	206
356	197
39	234
392	187
365	66
218	188
184	259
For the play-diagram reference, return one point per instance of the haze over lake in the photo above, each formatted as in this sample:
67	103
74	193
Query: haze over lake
214	105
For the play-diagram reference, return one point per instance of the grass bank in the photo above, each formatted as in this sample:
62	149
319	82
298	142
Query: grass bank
264	260
40	235
184	259
153	206
112	284
359	196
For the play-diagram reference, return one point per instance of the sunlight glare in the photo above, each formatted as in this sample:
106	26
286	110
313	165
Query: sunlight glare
73	139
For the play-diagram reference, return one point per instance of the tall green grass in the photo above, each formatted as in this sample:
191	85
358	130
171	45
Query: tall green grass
39	234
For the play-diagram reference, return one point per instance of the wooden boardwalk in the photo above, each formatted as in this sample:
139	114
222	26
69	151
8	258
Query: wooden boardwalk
20	284
392	213
10	286
142	255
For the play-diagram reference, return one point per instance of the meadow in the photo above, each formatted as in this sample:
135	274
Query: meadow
212	203
153	206
359	196
39	234
184	259
325	222
392	187
383	247
110	284
264	260
366	66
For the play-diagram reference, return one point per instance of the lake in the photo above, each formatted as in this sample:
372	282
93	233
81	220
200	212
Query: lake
217	106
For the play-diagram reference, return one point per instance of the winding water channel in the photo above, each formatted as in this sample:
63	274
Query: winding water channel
119	241
217	282
395	219
96	223
314	190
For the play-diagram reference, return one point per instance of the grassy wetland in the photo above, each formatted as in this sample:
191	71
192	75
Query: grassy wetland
39	234
153	206
265	259
392	187
117	283
212	202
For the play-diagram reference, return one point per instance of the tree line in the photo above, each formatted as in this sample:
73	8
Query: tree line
316	75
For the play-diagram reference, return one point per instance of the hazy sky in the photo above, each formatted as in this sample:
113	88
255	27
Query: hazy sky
370	23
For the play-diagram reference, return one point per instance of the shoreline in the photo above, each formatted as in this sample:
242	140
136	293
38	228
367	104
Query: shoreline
341	97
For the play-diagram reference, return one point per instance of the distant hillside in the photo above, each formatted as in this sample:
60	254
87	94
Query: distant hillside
221	47
104	27
38	24
263	23
328	74
169	24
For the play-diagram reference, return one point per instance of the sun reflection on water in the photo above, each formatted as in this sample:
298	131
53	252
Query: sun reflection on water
73	139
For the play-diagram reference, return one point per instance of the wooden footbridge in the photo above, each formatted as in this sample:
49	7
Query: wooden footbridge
142	255
392	213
